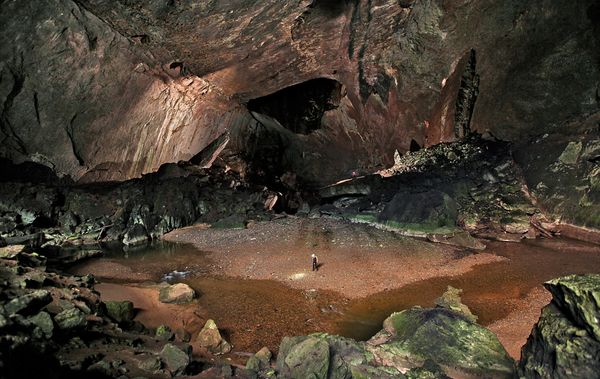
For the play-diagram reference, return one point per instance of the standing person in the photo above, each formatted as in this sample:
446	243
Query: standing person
315	262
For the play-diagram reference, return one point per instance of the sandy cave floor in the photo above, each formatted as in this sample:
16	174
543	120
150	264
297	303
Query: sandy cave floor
258	285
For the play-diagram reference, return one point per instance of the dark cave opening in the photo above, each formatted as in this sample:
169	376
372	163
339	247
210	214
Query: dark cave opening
300	107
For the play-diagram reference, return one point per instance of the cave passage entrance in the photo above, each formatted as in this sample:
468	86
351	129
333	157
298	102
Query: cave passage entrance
301	107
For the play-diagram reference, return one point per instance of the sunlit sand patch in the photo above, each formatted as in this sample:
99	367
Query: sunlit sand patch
297	276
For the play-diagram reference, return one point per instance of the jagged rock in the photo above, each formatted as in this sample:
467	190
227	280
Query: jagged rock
564	342
43	321
557	348
210	338
179	293
120	311
163	332
70	319
29	303
451	300
175	359
578	296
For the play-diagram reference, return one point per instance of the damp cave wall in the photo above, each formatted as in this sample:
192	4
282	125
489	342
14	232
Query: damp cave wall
100	90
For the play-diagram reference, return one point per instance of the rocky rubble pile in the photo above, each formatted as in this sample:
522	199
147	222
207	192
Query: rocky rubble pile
441	191
54	215
56	326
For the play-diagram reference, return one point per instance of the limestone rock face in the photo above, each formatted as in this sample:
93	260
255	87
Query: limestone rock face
564	343
107	91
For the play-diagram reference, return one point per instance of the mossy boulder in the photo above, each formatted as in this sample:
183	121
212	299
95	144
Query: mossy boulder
260	361
70	319
44	327
29	303
325	356
431	208
120	311
557	348
565	341
579	297
444	337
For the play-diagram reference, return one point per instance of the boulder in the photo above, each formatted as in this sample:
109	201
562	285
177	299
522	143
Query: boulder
210	338
444	337
325	356
120	311
432	209
179	293
175	358
70	319
10	252
578	296
43	323
28	304
564	343
307	359
260	361
151	364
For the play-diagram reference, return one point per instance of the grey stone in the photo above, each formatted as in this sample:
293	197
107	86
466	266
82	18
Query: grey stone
175	359
44	322
151	364
163	332
120	311
210	338
29	303
179	293
70	319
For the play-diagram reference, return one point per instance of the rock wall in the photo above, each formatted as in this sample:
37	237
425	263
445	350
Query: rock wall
102	91
90	103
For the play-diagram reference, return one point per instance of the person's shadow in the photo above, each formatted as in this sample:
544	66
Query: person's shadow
319	265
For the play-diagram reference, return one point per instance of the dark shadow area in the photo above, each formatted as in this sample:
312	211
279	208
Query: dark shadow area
300	108
26	172
330	8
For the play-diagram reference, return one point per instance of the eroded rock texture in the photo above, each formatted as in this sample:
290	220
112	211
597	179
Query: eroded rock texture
110	90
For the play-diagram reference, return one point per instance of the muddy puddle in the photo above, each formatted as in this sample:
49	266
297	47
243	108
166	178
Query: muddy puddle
255	313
